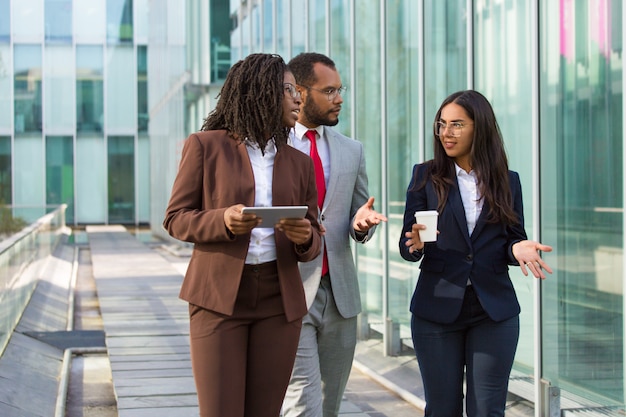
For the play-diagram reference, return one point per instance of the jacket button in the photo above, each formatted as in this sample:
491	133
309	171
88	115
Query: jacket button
469	257
323	217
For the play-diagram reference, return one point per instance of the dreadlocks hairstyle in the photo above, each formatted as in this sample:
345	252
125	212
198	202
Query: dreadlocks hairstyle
249	104
487	158
302	66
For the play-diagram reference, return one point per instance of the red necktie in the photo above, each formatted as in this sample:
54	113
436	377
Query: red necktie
320	181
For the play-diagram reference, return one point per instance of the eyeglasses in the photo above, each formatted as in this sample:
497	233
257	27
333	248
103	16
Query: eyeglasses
455	128
291	89
331	93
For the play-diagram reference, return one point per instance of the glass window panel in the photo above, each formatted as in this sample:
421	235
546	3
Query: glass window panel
121	86
89	21
91	192
142	88
119	21
6	89
5	170
142	12
220	38
402	141
27	18
5	21
27	85
58	86
28	185
503	75
89	89
257	28
58	21
143	182
317	25
60	173
121	188
268	24
367	104
298	21
282	28
582	214
445	65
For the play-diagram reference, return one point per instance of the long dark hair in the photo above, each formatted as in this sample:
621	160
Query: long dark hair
249	104
487	158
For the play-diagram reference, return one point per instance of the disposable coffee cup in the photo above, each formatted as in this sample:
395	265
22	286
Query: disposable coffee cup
429	219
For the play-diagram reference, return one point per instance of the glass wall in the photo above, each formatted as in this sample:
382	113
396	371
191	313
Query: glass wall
59	83
58	21
502	72
363	97
403	131
60	173
89	89
121	89
5	170
553	72
121	179
27	89
581	144
5	21
119	23
6	89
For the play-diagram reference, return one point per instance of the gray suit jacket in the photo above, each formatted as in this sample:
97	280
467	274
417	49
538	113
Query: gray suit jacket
345	193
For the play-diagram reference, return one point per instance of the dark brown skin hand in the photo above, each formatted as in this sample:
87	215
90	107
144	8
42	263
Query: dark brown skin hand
296	230
239	223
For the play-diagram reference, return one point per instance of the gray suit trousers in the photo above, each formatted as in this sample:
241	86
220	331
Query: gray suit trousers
325	334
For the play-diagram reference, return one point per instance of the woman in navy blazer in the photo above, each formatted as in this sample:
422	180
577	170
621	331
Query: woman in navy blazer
465	314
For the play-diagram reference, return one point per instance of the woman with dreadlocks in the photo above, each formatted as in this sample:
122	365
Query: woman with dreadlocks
245	295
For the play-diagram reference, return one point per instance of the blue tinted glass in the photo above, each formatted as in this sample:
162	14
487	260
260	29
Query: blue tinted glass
58	21
5	21
120	21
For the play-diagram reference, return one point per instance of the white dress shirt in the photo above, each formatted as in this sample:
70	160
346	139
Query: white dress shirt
303	144
262	244
472	200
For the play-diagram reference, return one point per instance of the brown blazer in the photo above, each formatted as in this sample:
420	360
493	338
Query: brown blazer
214	174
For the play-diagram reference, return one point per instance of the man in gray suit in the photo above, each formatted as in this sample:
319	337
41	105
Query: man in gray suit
328	336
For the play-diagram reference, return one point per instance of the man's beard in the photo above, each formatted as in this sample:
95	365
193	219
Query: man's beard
314	115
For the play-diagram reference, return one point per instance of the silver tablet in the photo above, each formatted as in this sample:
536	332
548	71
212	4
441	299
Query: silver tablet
271	215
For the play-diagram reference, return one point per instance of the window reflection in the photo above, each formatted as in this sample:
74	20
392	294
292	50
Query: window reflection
89	89
58	21
119	21
5	21
60	173
27	88
5	170
121	169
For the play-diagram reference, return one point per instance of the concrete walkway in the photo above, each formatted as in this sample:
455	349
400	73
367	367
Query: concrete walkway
146	328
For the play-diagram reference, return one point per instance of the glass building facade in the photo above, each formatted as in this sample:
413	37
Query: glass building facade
553	70
97	97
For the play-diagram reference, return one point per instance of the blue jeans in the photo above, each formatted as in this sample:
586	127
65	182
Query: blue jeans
474	343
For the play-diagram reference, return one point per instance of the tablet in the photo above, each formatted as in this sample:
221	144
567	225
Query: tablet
271	215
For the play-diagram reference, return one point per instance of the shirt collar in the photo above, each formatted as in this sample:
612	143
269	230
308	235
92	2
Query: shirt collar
460	171
302	129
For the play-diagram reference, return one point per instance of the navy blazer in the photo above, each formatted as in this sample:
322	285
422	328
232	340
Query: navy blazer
447	264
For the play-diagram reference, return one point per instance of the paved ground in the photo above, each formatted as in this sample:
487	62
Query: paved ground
129	333
91	392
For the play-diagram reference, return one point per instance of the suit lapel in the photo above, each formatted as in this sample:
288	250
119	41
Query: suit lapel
456	204
482	220
333	149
